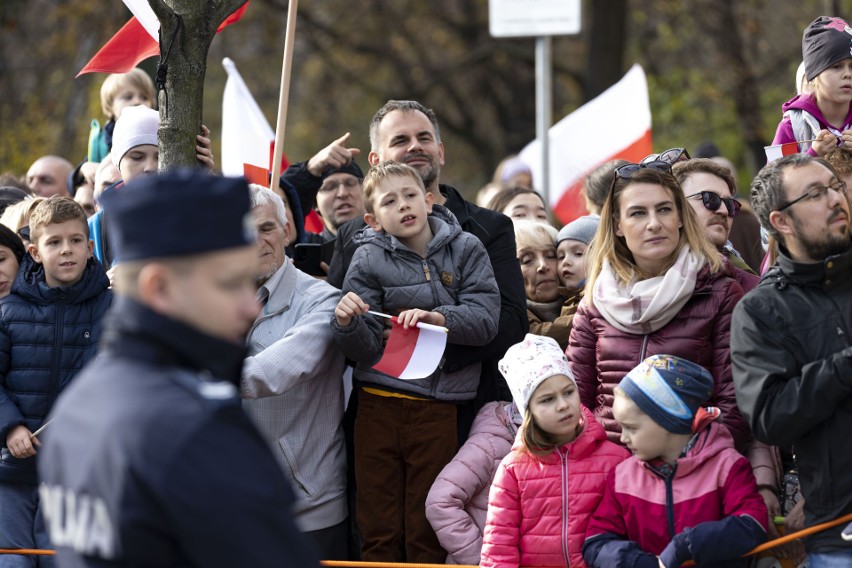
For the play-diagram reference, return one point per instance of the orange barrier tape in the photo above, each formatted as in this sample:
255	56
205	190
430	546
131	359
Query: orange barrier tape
353	564
27	551
793	536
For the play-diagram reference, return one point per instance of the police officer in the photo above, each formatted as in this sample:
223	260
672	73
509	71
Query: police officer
149	459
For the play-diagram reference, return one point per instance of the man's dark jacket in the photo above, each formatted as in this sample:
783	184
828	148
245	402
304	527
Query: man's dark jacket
791	349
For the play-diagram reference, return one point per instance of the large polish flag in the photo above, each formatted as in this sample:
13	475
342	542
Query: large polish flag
615	124
413	353
248	141
137	40
246	134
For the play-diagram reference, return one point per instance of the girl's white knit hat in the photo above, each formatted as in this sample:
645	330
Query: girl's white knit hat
136	126
529	363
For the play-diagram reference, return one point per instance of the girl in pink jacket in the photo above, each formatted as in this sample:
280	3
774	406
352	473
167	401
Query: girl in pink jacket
545	490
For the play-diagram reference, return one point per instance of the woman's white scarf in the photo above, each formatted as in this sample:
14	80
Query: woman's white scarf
642	307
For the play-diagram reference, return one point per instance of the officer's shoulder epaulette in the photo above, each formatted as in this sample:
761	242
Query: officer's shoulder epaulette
206	389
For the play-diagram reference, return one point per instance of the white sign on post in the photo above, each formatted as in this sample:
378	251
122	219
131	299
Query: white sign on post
518	18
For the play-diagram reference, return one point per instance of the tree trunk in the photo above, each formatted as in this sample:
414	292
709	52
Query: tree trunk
606	46
187	28
722	23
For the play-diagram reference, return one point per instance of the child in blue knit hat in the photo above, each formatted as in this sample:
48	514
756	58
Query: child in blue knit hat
686	493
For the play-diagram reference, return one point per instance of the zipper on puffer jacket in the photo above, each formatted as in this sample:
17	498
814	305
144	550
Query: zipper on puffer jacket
56	366
670	503
642	350
564	458
428	274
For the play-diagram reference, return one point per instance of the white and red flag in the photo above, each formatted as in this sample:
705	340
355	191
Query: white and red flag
615	124
779	150
248	141
412	353
247	138
137	40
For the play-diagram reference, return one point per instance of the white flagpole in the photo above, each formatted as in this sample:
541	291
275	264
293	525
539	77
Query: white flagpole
284	95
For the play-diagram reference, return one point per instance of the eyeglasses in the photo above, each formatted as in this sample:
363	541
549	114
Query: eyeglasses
712	201
349	184
627	171
816	193
671	156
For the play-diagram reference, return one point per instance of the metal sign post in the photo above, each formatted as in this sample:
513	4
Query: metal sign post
541	19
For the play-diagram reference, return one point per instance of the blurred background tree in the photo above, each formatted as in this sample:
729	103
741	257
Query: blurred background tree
717	70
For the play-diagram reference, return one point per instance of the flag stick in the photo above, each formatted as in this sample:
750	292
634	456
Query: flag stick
284	96
39	431
419	324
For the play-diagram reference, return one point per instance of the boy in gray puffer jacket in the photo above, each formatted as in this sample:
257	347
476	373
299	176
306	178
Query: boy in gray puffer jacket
422	268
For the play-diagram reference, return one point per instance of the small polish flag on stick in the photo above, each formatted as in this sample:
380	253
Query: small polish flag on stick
779	150
412	353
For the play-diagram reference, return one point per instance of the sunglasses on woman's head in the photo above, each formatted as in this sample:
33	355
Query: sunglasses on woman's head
627	171
671	156
712	201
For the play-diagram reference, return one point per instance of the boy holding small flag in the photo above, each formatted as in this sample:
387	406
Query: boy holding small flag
416	262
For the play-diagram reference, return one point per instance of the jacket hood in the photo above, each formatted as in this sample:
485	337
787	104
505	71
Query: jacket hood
711	441
803	102
494	420
592	435
31	285
705	279
442	222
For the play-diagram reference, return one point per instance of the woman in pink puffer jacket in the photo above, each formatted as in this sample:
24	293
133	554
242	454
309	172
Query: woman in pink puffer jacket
546	489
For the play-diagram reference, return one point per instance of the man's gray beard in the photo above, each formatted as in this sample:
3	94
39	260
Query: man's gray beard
429	175
261	279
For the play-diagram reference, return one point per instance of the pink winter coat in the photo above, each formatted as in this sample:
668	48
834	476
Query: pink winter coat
712	492
539	508
600	354
458	500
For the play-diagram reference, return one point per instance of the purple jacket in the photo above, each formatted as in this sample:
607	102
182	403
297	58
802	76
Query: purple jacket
601	354
806	103
457	503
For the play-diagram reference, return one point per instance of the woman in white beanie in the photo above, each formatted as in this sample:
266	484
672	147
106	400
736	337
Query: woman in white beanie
546	489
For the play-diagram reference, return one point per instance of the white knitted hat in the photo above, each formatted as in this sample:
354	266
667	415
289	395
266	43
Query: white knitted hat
136	126
529	363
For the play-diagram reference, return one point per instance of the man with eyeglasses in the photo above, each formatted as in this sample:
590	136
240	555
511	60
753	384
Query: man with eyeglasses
710	189
791	340
330	182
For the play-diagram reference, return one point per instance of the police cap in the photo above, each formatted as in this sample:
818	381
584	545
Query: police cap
178	213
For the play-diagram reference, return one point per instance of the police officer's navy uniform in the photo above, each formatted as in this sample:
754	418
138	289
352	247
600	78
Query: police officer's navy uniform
150	460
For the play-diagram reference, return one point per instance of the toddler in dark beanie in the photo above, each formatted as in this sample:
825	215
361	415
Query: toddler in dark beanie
820	118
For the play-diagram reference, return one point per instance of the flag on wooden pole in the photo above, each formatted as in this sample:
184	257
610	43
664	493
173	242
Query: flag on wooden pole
412	353
247	137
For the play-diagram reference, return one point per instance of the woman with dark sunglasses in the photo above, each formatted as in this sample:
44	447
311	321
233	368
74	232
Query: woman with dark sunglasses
656	285
710	189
